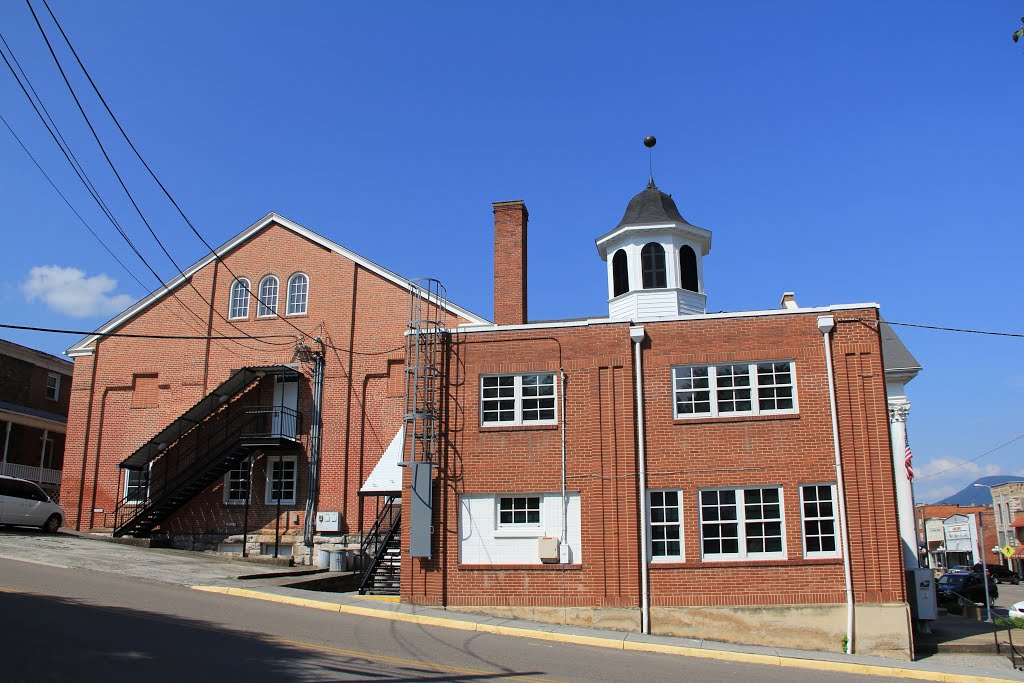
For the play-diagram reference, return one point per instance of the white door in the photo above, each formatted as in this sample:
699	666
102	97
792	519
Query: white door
286	395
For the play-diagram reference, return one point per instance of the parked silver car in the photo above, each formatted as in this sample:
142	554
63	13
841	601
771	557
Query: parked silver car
23	503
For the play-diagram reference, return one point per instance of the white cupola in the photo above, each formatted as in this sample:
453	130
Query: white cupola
654	260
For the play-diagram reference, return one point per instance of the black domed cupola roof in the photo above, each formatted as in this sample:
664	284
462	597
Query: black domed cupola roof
649	207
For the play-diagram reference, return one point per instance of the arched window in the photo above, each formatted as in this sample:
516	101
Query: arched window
652	262
298	293
268	297
620	273
688	269
239	307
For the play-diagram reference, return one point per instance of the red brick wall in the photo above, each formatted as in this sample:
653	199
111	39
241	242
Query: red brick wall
786	450
361	317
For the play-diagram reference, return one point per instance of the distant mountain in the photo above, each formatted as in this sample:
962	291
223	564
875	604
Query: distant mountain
978	495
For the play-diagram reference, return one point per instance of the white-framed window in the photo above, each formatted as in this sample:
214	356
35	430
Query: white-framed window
761	388
282	479
236	483
53	386
665	515
818	512
517	399
298	294
517	512
742	523
239	307
269	287
136	485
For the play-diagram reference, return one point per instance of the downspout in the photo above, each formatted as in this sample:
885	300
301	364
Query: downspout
636	334
316	420
826	323
564	550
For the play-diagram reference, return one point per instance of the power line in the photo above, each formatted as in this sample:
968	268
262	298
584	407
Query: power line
977	457
956	329
131	335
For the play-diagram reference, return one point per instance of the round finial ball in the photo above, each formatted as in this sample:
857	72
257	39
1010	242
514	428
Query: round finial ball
650	141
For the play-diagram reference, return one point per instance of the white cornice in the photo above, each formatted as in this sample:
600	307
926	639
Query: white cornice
702	236
82	347
35	357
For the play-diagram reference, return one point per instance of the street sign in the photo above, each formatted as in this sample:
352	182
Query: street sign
1007	551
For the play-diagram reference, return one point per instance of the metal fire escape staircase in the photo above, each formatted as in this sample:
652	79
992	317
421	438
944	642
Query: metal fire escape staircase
424	358
201	446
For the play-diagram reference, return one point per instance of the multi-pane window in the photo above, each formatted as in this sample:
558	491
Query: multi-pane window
736	389
666	526
741	523
518	511
136	486
236	483
652	266
517	399
817	503
298	293
268	297
53	386
282	479
239	299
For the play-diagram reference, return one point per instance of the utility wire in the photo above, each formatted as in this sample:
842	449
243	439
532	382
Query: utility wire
120	180
141	159
956	329
131	335
977	457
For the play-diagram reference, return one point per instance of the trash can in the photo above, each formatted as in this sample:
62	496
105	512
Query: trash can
337	560
323	558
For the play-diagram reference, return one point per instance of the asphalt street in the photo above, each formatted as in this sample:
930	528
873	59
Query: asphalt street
63	624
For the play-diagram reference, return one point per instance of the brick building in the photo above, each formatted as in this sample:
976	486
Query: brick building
659	469
34	391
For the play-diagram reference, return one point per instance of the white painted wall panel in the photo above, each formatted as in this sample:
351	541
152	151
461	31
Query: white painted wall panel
482	542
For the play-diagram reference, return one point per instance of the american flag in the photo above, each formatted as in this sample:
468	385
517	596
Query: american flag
907	457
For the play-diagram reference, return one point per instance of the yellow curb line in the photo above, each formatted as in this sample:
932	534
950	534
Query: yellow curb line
610	643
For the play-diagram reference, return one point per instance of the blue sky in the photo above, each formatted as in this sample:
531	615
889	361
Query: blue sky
846	151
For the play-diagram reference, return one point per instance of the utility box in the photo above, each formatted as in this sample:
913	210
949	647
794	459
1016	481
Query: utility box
922	595
547	550
327	521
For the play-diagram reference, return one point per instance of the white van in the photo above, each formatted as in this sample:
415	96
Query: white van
24	504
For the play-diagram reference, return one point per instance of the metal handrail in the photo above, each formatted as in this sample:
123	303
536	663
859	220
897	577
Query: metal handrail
375	543
178	462
999	620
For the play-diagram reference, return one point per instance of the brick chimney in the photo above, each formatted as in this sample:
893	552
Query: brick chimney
510	262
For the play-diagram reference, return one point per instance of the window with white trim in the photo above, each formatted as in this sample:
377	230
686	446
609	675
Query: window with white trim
298	294
666	525
53	386
817	508
282	479
742	523
517	399
236	483
762	388
239	299
136	485
268	297
518	511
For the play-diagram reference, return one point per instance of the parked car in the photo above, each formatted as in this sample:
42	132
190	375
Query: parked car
1000	573
23	503
1017	610
955	586
961	569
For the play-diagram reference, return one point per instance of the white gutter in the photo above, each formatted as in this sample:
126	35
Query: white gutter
826	323
636	334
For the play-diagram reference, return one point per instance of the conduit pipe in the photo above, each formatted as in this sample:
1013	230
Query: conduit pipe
826	323
636	334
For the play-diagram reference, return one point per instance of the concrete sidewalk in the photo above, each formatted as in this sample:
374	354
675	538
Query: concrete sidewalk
213	573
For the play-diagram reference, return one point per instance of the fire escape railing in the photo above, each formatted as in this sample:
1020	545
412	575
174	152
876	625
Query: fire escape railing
375	543
200	448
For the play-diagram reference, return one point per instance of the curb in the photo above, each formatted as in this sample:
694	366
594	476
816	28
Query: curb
609	643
